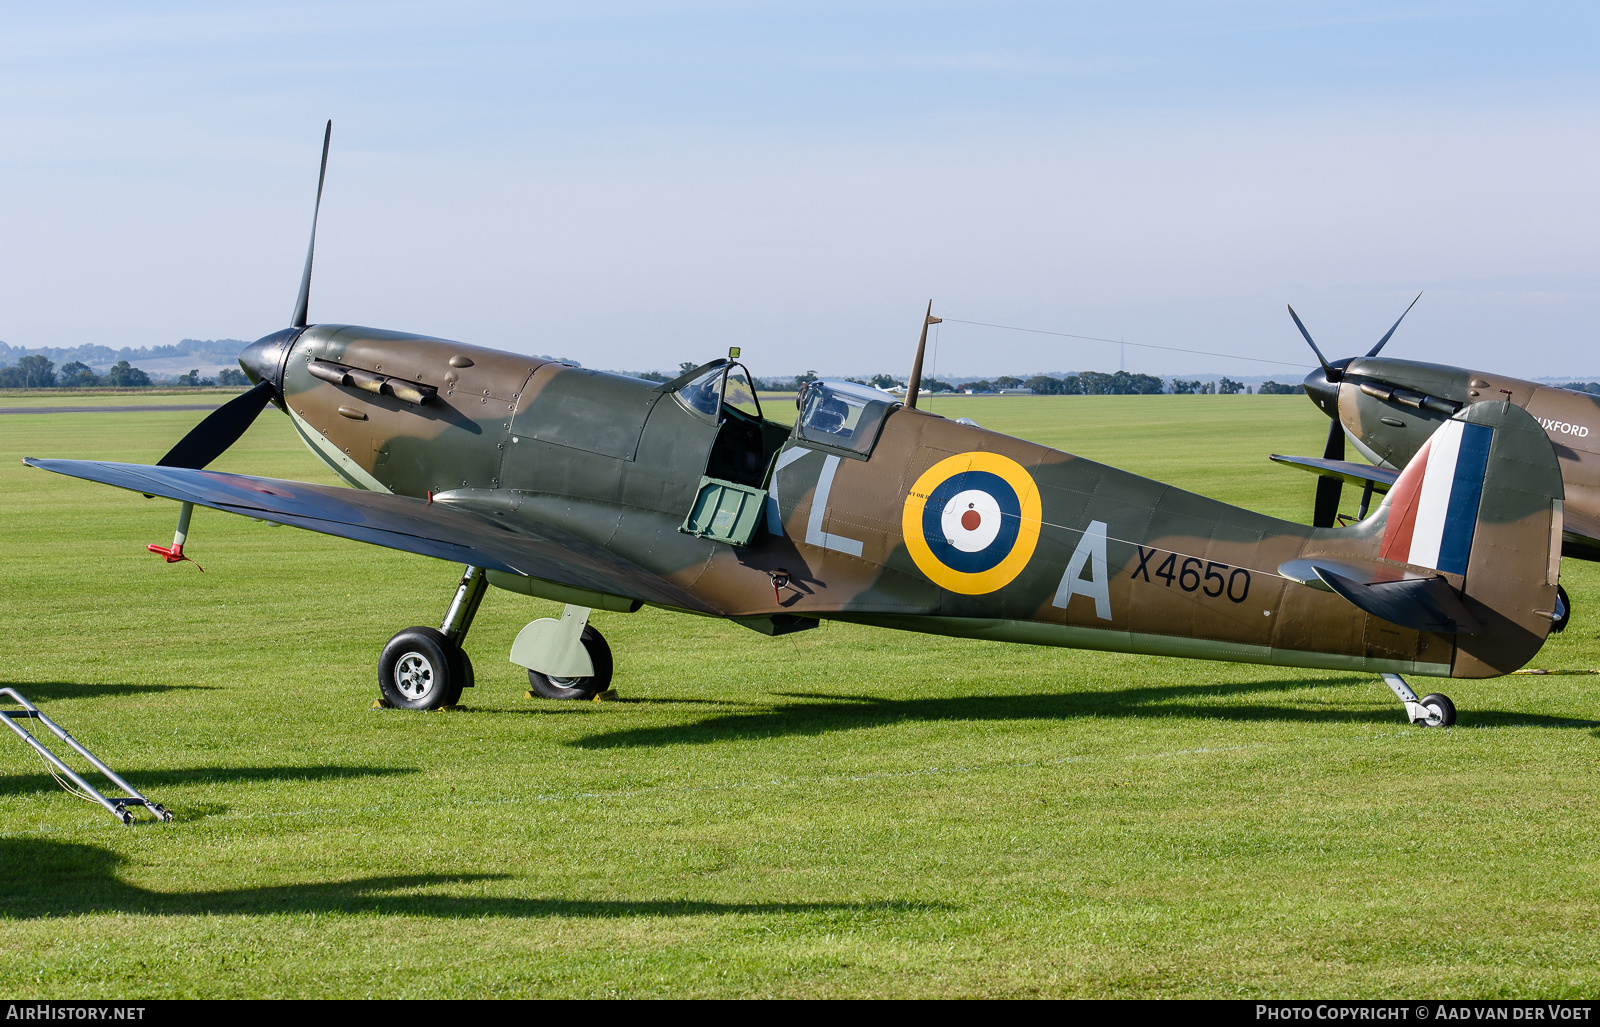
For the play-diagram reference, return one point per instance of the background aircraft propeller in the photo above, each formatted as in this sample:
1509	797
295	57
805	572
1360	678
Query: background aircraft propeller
1333	375
1323	388
224	426
1326	509
1371	353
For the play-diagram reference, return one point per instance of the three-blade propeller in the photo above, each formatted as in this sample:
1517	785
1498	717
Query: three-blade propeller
224	426
1325	511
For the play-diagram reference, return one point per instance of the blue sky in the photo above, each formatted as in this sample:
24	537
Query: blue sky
637	184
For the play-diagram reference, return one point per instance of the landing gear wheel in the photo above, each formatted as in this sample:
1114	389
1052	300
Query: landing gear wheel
463	670
420	669
1441	711
1563	611
550	687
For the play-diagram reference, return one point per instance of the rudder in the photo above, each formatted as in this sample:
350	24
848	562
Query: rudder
1481	503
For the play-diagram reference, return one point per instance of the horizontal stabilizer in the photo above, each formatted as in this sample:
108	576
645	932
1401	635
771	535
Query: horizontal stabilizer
1351	473
1421	603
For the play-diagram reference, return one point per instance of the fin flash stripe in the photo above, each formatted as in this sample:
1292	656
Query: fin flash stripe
1433	507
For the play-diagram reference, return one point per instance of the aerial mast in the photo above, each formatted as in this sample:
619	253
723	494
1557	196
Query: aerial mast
915	383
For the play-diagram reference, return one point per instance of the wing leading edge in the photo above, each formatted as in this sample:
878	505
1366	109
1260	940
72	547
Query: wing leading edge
445	532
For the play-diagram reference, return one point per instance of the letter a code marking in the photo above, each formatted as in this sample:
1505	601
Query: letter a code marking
1091	551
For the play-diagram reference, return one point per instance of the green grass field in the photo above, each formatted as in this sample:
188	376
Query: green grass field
844	812
24	398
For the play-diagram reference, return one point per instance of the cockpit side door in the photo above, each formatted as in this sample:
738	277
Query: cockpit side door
731	491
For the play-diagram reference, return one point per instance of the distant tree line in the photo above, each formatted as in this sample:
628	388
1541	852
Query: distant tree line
102	355
1096	383
1593	388
1083	383
36	371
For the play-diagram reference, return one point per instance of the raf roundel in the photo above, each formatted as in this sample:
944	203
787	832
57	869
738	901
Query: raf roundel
971	522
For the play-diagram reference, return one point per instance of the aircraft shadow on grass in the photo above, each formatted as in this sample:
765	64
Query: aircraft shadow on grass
814	714
53	879
53	691
149	781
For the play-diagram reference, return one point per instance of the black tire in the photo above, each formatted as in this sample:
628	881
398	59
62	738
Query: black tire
547	687
1443	706
464	670
1563	611
420	670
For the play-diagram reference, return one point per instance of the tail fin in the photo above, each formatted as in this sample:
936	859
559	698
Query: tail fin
1475	519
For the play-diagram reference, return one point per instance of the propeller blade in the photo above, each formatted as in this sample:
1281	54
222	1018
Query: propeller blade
301	304
1390	332
1325	512
222	427
1327	368
1333	449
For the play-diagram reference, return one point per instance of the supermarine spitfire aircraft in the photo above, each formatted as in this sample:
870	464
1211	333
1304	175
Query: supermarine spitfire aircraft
1390	408
602	491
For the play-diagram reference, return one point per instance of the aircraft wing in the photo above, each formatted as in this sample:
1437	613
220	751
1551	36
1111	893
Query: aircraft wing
1345	470
443	531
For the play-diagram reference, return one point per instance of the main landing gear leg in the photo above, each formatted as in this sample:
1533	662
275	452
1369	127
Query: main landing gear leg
1432	710
424	668
566	658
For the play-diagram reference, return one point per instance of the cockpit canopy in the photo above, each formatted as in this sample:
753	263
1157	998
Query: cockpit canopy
843	415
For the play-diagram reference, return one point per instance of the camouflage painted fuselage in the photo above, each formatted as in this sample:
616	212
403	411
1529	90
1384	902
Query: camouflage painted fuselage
1113	561
1389	432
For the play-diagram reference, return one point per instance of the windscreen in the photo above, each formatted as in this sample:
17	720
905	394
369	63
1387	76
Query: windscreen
738	392
729	383
703	393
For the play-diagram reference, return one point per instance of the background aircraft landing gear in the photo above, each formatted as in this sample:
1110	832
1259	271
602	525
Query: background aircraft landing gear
426	668
549	686
1433	710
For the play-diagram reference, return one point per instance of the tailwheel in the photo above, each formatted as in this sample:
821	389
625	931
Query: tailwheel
1432	710
1563	611
549	686
421	669
1439	710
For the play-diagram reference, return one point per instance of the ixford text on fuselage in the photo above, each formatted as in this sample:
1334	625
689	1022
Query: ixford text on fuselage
865	511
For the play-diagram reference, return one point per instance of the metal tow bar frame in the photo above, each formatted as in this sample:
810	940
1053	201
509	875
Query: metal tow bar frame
117	807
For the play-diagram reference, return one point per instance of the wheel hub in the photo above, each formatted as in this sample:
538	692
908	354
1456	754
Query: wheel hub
414	676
